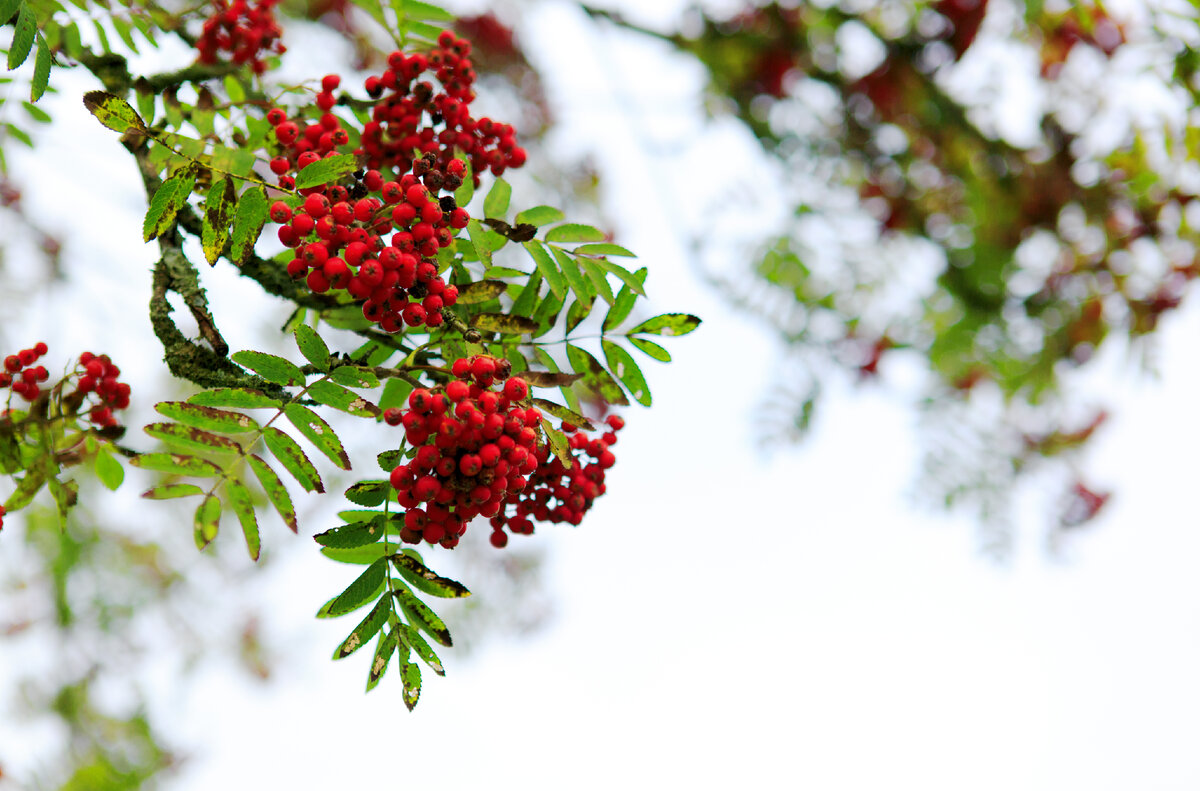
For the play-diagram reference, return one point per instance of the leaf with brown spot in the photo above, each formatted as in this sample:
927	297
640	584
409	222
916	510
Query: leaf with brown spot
365	588
383	655
596	379
169	491
549	378
366	629
318	432
294	459
422	617
410	675
500	322
208	519
238	497
480	291
276	492
113	111
218	210
207	418
191	439
421	578
176	464
563	413
338	397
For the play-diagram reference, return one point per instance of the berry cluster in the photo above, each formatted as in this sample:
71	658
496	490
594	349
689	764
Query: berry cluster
96	383
340	233
475	447
574	488
246	32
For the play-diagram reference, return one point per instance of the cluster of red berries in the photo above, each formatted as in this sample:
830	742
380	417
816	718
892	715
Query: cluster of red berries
340	233
475	447
97	380
21	375
247	32
573	488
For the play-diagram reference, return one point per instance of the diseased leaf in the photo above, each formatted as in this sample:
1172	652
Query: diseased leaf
208	519
390	459
109	470
191	439
176	464
41	70
326	170
243	398
218	207
274	369
595	380
251	214
355	534
312	347
23	35
354	376
421	578
383	655
668	324
480	291
558	442
27	488
576	314
366	629
563	413
574	232
368	493
206	417
626	369
651	348
365	588
276	492
410	676
421	616
549	379
496	202
338	397
540	215
624	303
603	248
318	432
503	323
170	197
169	491
240	501
568	393
413	639
550	271
10	452
65	494
293	458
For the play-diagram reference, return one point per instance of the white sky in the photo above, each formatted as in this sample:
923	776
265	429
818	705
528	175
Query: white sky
725	618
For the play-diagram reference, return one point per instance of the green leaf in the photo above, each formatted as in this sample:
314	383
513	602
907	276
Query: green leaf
274	369
169	491
65	494
598	278
575	278
603	248
413	639
234	88
415	9
241	397
668	324
368	493
176	464
238	497
365	588
293	458
41	70
503	323
354	376
23	35
356	534
113	111
326	170
318	433
390	459
338	397
206	417
496	202
563	413
549	270
276	492
7	9
630	280
109	470
576	314
568	393
36	113
27	488
651	348
546	314
191	439
383	655
625	301
421	616
251	215
312	347
480	291
395	394
208	519
421	578
218	207
365	630
10	452
463	195
558	443
626	369
410	676
362	555
170	197
596	380
540	215
574	232
479	241
523	305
